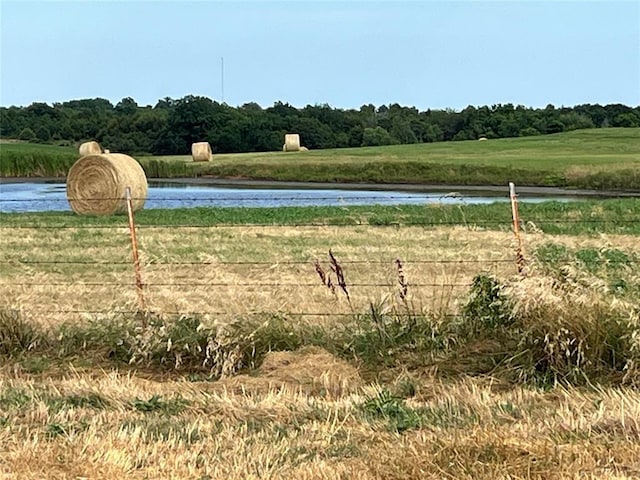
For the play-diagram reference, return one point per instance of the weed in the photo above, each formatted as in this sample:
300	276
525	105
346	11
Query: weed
392	410
487	307
156	403
57	429
17	335
14	398
89	400
163	430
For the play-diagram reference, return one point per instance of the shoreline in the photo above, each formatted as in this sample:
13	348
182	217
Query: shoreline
400	187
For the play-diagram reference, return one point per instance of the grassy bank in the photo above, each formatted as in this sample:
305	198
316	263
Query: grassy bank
598	159
582	217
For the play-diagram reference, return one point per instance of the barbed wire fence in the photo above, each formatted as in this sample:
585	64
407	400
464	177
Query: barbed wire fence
145	288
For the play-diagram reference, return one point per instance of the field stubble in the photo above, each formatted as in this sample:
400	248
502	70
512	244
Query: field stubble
308	413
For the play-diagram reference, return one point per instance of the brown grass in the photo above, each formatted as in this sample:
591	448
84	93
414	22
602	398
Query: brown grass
277	429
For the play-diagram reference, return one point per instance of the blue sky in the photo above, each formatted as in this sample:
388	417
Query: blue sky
427	54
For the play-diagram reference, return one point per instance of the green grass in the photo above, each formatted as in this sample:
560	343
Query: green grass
597	158
35	160
584	217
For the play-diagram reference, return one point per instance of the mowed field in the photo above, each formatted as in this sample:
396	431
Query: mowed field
245	364
597	158
580	148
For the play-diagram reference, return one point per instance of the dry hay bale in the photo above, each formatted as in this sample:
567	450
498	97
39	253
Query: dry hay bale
96	184
106	150
89	148
482	139
201	152
292	142
304	149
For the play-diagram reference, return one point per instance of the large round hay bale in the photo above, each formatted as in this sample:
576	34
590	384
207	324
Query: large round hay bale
201	152
89	148
96	184
292	142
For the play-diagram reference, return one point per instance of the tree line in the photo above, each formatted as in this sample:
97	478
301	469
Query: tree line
172	125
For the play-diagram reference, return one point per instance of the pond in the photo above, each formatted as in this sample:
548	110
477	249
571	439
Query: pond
51	196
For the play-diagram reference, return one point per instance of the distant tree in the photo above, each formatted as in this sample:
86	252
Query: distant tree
127	106
42	134
554	126
373	137
628	120
401	131
529	132
27	134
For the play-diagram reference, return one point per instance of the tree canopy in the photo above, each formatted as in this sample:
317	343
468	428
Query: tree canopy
172	125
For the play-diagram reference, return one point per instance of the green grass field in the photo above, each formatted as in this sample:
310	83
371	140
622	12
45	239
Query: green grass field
599	159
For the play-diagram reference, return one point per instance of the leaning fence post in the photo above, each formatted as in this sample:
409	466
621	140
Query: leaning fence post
136	259
520	263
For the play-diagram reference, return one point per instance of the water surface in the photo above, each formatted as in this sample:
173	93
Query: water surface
43	197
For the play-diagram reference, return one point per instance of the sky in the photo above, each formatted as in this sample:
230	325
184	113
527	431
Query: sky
427	54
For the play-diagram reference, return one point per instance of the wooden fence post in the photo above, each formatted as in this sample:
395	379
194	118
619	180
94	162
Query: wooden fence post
520	262
136	259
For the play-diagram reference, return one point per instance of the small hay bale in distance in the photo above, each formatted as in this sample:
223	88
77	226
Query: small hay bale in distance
292	142
97	184
201	152
482	139
304	149
89	148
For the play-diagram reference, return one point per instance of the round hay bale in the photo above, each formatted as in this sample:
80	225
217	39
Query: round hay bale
201	152
482	139
292	142
304	149
96	184
89	148
106	150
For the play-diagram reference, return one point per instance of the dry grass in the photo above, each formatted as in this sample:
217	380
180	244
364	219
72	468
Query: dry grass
230	282
301	414
274	284
110	425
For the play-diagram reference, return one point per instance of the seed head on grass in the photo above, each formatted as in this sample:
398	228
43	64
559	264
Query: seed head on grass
401	280
337	269
325	278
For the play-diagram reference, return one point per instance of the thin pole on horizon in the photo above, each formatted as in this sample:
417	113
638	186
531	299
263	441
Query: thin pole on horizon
222	79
